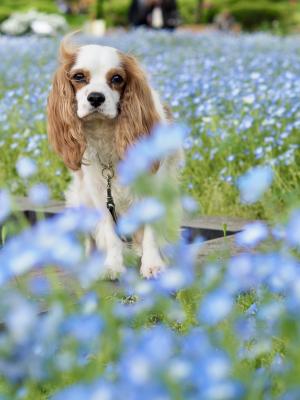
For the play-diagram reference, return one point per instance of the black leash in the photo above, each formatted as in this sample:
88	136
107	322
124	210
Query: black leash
108	174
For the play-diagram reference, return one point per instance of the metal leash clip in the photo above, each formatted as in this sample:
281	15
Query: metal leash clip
108	174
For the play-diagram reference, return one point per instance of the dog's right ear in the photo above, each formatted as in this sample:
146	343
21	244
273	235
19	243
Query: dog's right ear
64	127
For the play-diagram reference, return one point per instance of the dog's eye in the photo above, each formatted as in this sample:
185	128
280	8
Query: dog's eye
79	77
117	79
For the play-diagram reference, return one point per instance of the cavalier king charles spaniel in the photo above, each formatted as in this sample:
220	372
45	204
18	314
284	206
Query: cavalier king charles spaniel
100	104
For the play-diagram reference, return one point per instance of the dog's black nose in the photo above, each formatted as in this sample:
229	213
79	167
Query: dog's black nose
96	99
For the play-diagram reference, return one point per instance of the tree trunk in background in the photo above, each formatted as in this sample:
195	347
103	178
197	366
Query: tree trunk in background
199	11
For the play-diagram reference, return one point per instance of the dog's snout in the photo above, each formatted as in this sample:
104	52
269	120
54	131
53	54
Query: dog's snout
96	99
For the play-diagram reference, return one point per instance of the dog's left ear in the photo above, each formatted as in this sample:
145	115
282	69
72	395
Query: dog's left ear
138	114
64	127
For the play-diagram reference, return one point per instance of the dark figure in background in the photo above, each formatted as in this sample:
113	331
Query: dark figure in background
154	13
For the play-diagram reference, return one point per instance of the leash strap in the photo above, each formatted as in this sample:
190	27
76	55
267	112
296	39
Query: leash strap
110	204
108	174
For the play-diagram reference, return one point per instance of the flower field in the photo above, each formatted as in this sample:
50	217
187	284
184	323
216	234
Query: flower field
222	330
239	96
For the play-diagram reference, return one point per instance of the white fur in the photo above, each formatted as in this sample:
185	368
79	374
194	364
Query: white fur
88	186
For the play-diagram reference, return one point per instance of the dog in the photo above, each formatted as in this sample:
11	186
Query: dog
100	104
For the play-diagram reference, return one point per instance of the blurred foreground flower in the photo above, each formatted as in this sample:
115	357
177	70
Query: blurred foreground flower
164	141
215	307
26	167
293	228
252	234
5	205
254	183
39	194
51	242
146	211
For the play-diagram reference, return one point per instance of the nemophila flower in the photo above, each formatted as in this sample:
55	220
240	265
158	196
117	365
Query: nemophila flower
226	390
240	273
252	234
21	319
5	205
26	167
90	270
145	211
39	194
249	99
216	366
215	307
76	392
292	394
79	218
246	123
189	204
89	303
164	140
39	286
211	274
252	310
254	183
293	229
51	241
283	272
174	279
246	328
179	369
278	232
84	328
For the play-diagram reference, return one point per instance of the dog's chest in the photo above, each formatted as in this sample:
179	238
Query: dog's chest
100	152
101	144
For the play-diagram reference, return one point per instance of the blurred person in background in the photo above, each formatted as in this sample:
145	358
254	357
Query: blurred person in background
157	14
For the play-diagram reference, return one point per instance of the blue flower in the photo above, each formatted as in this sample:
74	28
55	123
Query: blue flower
85	328
293	228
76	392
252	234
189	204
39	194
5	205
26	167
164	140
143	212
215	307
254	183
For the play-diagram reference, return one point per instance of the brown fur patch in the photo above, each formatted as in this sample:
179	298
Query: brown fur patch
64	127
138	114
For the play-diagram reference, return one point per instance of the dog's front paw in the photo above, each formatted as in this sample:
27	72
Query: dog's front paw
113	268
152	270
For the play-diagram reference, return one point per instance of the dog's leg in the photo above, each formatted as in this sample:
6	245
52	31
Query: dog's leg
108	241
152	263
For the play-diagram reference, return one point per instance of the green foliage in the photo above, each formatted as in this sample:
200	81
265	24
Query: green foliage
253	14
7	6
116	12
187	11
99	9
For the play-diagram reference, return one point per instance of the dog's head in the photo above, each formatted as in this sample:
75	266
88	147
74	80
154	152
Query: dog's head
96	82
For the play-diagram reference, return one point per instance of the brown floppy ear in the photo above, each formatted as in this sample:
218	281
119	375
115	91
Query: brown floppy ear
64	127
138	114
